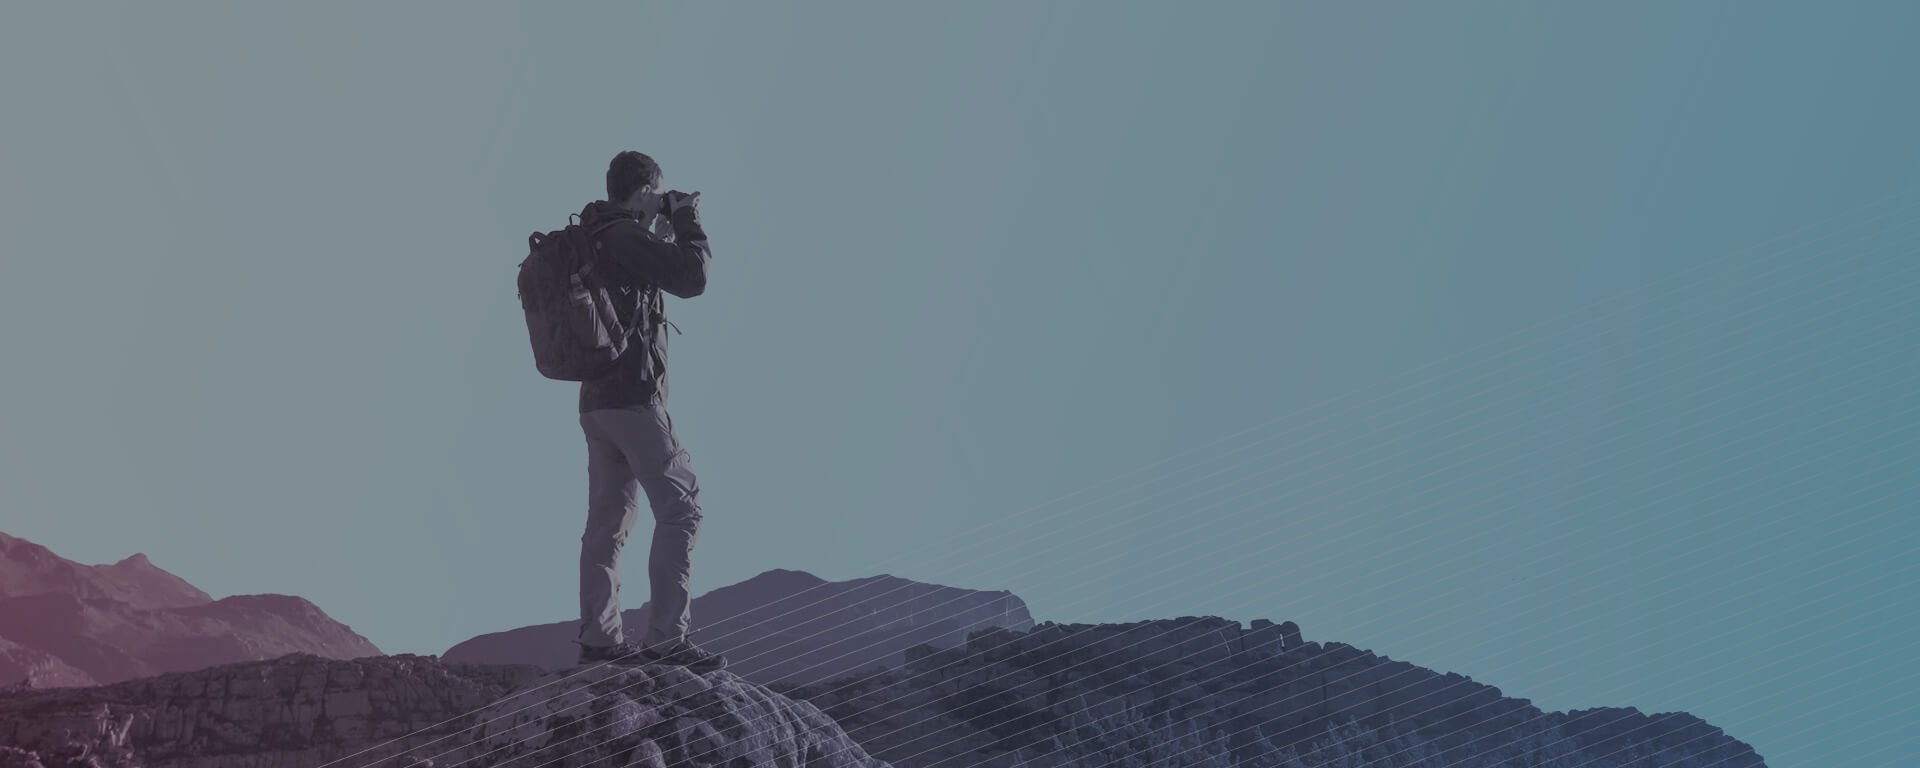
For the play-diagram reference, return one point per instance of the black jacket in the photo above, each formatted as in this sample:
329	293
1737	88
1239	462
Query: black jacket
636	263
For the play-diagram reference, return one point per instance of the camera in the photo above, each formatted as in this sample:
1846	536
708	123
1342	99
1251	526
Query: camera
672	196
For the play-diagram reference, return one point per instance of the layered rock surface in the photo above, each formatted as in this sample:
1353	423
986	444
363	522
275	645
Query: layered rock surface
401	711
786	626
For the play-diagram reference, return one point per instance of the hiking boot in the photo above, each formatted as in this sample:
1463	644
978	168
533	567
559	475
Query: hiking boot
622	653
685	654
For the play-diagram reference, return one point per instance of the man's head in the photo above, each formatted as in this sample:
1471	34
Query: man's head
633	180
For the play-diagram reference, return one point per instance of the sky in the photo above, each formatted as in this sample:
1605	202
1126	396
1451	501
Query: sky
1570	347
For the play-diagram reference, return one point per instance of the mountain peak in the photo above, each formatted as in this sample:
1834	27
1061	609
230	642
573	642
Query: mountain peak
789	575
27	568
773	581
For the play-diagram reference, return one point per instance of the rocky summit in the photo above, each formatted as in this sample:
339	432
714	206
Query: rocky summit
1199	692
657	716
413	712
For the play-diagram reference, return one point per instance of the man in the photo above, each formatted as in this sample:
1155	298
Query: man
631	446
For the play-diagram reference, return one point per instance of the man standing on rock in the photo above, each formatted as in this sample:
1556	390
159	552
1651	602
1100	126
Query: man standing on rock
631	446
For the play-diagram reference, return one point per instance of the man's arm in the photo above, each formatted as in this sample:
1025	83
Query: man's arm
679	267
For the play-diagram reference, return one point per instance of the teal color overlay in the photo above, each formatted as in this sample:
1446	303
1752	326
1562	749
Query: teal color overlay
1569	346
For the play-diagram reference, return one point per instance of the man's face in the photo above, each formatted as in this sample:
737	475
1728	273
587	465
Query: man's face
646	201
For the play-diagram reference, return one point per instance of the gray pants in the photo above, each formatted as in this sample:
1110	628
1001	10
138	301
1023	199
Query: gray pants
630	450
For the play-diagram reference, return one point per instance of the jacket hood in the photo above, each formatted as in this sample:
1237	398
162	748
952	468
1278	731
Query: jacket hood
601	210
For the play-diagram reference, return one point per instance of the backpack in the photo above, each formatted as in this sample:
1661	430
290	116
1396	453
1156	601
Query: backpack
572	318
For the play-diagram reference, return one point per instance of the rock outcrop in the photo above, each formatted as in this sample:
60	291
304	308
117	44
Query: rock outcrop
786	626
403	711
32	668
658	716
67	624
1203	691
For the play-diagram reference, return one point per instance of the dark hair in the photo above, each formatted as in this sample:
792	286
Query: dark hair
631	171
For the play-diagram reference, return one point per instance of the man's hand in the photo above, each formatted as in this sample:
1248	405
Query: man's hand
676	200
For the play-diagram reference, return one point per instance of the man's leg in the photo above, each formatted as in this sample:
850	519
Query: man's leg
674	495
612	508
655	458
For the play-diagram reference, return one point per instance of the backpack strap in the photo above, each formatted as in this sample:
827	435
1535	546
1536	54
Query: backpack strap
602	227
656	354
647	304
592	236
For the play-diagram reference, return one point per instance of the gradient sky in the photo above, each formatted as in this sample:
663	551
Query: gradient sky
1569	347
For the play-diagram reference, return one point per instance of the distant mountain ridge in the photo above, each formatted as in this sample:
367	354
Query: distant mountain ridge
27	568
789	626
64	624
